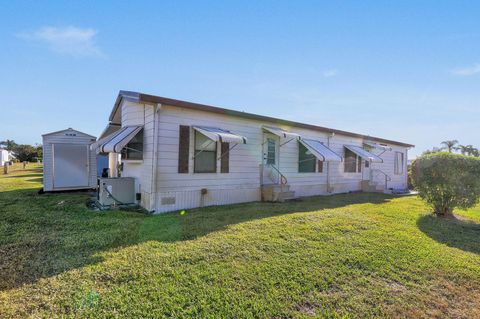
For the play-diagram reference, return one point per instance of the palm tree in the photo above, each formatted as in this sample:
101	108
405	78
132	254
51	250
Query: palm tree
471	151
450	145
8	144
468	150
462	149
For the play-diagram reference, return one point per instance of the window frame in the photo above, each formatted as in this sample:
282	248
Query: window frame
133	150
312	158
399	169
197	152
357	162
320	166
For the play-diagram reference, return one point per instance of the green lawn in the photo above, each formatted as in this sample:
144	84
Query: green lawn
354	255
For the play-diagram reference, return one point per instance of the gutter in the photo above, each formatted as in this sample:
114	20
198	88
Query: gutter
153	99
153	186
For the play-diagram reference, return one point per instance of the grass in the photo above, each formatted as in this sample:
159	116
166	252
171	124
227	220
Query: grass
343	256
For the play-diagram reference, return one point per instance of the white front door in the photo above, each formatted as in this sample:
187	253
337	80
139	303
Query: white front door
70	166
270	157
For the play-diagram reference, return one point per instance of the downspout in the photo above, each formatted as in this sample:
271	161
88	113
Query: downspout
329	189
405	167
153	186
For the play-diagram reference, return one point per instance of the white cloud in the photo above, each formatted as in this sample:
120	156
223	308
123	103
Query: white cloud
71	40
472	70
330	73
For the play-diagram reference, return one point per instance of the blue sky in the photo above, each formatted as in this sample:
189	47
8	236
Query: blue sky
407	71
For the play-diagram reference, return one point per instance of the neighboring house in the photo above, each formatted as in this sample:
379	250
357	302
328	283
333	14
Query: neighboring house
5	156
185	155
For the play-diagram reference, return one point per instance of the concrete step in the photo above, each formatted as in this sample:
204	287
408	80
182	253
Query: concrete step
372	187
277	187
283	196
276	193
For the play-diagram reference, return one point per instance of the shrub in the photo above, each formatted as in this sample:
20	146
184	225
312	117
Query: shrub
447	181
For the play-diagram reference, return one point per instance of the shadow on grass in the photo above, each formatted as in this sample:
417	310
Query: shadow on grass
42	236
25	175
456	233
202	221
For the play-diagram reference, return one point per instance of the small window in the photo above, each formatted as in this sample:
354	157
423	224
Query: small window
271	151
134	149
367	164
350	164
359	162
205	154
398	169
306	160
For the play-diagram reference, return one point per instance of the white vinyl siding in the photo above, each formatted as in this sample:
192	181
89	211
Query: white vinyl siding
242	184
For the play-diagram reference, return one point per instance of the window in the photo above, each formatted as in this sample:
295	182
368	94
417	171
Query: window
367	164
359	162
350	164
271	151
205	160
306	160
398	169
134	149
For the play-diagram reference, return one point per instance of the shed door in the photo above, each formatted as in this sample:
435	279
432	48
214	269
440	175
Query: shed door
70	165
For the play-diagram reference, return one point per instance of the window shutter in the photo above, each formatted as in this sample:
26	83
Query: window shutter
183	149
225	160
320	166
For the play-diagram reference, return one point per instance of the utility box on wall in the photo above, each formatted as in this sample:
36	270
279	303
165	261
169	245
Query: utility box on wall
68	163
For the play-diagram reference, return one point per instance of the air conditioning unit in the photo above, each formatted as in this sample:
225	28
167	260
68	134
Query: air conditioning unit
116	191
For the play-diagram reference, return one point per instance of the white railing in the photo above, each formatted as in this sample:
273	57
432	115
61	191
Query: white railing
376	172
273	174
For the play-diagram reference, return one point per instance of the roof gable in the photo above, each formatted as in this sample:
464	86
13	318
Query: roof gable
69	131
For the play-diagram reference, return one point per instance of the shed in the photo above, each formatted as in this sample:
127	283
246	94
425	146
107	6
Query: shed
4	157
68	163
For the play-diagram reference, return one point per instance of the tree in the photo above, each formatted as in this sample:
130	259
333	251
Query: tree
462	149
433	150
26	153
447	181
9	145
468	150
449	145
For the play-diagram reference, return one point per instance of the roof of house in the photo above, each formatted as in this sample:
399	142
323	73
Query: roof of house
147	98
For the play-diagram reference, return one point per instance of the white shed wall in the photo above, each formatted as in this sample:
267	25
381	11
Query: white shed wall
4	157
65	137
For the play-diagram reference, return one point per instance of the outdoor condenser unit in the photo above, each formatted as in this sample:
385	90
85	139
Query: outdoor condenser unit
116	191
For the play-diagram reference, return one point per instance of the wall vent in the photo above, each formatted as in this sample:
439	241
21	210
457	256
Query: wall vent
168	200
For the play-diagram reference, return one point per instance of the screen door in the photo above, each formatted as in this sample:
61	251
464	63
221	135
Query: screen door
70	166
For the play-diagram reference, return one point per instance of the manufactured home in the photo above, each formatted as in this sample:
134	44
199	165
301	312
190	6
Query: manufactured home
184	155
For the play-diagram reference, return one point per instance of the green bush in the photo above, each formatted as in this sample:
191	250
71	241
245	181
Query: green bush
447	181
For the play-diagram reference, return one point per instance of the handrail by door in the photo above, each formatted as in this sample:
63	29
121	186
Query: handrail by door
387	177
280	179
